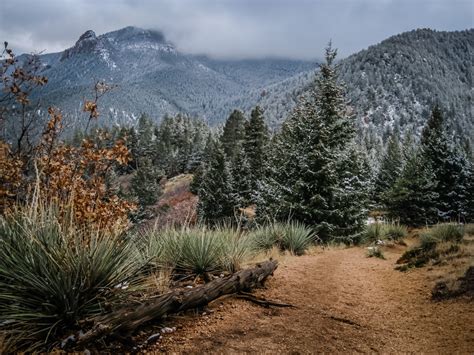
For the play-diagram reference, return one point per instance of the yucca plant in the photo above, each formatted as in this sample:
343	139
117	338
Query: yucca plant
394	231
266	236
53	275
296	237
448	232
292	236
375	252
373	232
201	251
428	241
237	247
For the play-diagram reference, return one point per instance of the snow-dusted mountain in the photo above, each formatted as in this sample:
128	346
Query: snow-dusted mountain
396	83
152	76
393	83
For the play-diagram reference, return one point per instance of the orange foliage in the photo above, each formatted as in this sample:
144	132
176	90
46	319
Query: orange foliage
71	178
10	177
75	177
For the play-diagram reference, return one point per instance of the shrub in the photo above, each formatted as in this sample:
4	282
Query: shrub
296	238
381	231
448	232
373	232
265	237
198	250
375	252
428	241
395	231
292	236
53	275
237	248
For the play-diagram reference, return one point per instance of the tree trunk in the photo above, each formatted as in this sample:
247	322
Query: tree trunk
125	321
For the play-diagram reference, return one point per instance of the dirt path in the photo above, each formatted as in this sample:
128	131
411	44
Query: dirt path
346	303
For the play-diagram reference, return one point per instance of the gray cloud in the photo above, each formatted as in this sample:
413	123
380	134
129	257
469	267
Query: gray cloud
231	28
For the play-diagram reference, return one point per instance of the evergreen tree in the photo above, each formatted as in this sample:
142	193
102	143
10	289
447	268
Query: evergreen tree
354	172
450	167
308	178
390	169
233	134
217	199
412	199
241	173
201	169
145	185
145	137
255	147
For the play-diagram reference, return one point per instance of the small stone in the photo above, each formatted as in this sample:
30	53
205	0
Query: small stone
154	337
167	330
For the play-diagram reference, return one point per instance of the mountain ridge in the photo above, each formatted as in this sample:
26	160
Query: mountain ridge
390	85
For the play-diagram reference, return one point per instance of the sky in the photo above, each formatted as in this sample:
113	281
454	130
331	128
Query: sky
297	29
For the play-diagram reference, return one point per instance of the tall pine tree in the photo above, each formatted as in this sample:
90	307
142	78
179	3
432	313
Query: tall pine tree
412	199
255	142
389	171
217	199
233	134
450	166
308	177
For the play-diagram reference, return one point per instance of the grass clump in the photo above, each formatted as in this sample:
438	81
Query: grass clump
196	250
373	232
54	275
469	229
448	232
293	236
375	252
296	238
395	231
384	231
435	243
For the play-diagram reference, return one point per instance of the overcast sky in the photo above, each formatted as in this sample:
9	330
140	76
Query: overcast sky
231	28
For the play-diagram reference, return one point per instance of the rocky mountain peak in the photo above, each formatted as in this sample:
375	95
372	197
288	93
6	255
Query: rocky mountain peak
88	35
86	43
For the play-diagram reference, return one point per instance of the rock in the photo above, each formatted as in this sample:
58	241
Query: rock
167	330
71	338
153	337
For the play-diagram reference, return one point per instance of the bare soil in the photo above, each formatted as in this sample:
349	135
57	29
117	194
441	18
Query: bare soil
345	302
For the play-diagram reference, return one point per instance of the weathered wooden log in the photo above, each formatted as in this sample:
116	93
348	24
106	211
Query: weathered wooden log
123	322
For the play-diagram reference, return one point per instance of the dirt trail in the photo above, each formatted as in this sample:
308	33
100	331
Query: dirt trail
345	302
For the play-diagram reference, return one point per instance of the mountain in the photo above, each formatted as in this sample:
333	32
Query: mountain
394	84
152	76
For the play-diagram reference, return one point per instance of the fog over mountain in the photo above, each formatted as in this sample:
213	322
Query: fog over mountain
390	85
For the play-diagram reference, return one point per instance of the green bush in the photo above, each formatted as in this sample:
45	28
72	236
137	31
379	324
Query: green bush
52	276
292	236
395	231
198	250
375	252
428	241
382	231
448	232
296	238
372	233
265	237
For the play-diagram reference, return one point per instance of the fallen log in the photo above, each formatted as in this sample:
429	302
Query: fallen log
124	321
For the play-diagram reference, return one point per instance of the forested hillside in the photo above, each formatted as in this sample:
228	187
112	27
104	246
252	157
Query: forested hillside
395	83
391	85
